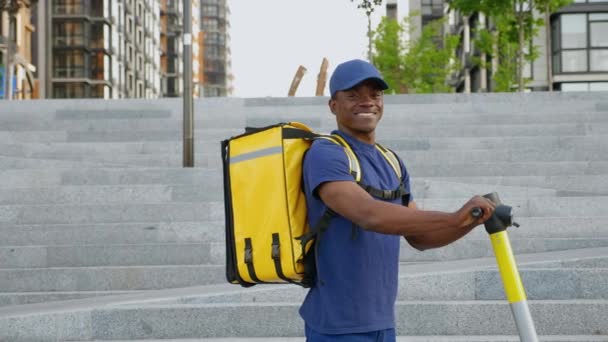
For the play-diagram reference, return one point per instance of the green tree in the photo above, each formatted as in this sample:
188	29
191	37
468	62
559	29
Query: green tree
368	7
422	65
390	52
515	29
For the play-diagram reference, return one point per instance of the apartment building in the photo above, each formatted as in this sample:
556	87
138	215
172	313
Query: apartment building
17	79
98	48
577	37
217	56
112	49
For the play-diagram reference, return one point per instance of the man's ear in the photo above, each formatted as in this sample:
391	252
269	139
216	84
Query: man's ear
332	104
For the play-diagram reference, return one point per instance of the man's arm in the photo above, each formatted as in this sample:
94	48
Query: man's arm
422	228
436	239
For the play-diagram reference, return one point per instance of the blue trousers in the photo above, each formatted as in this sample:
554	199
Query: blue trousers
387	335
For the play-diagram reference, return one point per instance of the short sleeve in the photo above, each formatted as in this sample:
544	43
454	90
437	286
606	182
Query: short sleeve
324	162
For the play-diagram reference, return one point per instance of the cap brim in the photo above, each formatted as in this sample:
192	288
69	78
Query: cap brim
355	82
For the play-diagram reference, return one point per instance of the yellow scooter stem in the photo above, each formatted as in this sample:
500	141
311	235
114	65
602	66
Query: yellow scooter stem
496	226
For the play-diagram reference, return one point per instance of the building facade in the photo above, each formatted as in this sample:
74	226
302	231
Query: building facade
112	49
98	48
576	35
17	80
217	66
579	35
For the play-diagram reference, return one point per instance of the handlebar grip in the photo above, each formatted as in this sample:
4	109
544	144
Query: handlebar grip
476	212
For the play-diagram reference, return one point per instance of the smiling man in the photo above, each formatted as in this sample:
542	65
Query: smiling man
357	257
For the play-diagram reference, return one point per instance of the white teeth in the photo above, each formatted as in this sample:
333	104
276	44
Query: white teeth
366	114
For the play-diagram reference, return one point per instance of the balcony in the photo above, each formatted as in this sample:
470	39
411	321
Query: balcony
69	41
72	9
69	72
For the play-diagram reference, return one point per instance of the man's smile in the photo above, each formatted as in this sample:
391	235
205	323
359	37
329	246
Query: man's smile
367	114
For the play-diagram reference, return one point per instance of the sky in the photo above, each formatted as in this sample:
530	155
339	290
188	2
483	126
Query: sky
270	39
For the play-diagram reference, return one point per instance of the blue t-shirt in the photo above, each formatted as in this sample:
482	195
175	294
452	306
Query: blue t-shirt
357	274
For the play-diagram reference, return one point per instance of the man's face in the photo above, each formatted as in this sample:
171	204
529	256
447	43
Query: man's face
358	110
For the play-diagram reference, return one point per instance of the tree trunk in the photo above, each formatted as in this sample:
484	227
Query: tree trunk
369	38
520	48
548	49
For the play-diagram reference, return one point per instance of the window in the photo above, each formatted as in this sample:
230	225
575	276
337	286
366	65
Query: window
580	43
432	8
69	90
599	60
68	6
584	86
100	66
69	63
574	31
69	33
100	8
100	91
100	36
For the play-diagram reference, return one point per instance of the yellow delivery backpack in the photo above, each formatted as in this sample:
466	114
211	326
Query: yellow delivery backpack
268	239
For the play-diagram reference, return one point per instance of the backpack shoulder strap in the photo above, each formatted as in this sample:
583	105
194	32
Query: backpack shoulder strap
353	162
392	159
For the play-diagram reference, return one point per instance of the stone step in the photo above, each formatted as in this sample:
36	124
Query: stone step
209	140
208	191
439	130
204	252
532	228
431	188
25	178
126	233
19	192
532	207
401	113
471	247
539	284
136	254
430	338
498	103
111	213
22	298
104	194
317	117
88	195
214	210
573	317
507	169
108	278
201	253
122	154
514	142
565	185
503	155
38	163
168	297
200	176
10	137
497	167
393	125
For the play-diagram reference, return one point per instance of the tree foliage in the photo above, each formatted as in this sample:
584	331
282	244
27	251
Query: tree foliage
422	65
511	42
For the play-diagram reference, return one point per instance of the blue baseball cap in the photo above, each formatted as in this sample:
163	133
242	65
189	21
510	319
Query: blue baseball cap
350	73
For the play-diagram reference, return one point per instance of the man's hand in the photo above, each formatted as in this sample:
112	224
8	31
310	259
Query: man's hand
465	214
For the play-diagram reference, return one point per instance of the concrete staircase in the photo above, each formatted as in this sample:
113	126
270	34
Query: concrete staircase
103	236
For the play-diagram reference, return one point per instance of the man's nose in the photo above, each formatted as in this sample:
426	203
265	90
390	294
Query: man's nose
366	100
